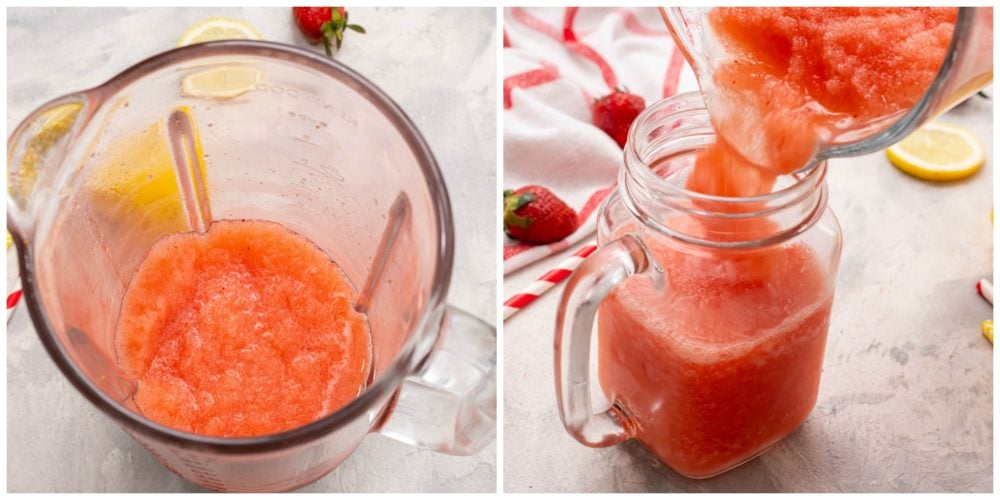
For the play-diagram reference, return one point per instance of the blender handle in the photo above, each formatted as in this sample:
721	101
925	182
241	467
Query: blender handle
35	150
585	290
449	404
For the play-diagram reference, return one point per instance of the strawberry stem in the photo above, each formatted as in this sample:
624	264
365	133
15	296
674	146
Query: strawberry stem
333	30
512	203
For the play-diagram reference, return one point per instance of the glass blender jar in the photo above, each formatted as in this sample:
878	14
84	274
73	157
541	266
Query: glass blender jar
270	143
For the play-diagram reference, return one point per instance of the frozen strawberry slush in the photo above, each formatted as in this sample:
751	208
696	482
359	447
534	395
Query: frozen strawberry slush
245	330
725	359
728	361
786	80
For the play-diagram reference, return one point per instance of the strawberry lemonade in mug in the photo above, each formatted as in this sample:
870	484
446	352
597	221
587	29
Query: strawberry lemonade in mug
240	252
714	283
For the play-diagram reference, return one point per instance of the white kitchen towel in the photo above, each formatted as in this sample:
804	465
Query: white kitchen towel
556	62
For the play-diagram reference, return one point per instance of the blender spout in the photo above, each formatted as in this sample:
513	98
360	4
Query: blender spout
673	18
399	216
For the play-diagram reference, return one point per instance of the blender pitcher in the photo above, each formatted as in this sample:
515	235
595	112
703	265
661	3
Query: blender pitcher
967	68
250	130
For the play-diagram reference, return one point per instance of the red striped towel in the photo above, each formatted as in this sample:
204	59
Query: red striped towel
556	61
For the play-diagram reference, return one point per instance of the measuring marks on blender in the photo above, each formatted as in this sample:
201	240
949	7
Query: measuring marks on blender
398	217
320	166
313	157
324	169
317	135
317	101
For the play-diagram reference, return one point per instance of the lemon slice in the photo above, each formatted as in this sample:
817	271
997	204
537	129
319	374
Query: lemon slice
223	82
938	152
218	28
987	328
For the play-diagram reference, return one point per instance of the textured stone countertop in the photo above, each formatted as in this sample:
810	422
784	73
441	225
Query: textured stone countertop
906	398
438	64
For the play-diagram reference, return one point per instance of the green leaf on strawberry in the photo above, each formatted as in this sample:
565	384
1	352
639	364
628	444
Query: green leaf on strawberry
324	24
534	215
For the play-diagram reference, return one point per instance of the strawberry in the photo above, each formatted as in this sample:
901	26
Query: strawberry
615	112
534	215
324	24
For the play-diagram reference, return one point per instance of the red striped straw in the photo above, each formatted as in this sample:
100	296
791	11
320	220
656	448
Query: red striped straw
546	281
985	289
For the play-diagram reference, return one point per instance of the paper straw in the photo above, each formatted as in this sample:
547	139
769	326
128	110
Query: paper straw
546	281
985	289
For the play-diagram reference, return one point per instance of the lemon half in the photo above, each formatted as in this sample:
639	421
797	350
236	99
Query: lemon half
137	182
218	28
938	152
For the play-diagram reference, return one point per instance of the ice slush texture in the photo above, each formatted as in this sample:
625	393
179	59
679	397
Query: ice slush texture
722	362
784	81
245	330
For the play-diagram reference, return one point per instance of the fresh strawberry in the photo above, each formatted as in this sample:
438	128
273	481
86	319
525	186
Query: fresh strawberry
615	112
534	215
310	21
324	24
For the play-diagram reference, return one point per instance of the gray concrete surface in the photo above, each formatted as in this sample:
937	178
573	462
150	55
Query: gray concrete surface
438	64
906	398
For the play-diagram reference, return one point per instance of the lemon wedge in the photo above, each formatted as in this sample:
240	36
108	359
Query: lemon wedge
987	328
53	124
218	28
223	82
938	152
137	182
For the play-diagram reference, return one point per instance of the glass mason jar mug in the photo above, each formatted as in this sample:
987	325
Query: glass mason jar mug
250	130
712	313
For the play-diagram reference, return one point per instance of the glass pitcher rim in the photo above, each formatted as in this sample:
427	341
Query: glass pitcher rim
404	362
636	166
644	192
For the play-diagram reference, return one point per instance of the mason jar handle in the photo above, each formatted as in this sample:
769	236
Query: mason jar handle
585	290
449	405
